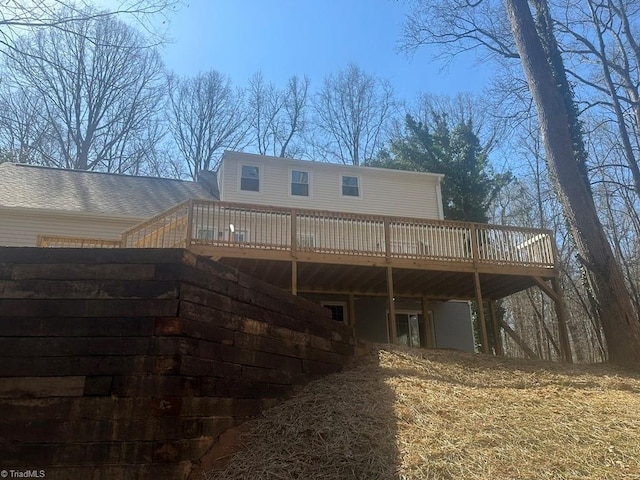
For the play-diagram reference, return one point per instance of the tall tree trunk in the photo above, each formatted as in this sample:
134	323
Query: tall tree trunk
620	322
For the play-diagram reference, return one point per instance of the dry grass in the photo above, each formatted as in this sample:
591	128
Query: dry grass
415	414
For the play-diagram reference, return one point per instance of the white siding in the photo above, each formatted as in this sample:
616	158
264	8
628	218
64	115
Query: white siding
382	191
20	227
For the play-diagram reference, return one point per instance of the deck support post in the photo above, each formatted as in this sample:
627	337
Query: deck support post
294	277
497	338
426	321
391	327
351	310
480	311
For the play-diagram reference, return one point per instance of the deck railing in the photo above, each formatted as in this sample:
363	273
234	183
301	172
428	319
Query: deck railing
225	224
57	241
169	229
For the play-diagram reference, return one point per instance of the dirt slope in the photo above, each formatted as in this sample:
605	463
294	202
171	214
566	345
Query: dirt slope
416	414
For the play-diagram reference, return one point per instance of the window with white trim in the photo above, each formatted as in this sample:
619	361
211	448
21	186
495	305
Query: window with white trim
250	178
300	183
350	186
306	241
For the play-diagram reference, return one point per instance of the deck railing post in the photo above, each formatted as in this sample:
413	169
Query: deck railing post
475	249
189	233
294	232
387	239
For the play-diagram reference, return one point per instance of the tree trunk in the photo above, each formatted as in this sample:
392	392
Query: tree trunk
620	322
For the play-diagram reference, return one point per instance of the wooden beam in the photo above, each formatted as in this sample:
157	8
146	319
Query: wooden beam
428	324
393	333
351	310
542	285
387	239
521	343
497	338
294	277
480	310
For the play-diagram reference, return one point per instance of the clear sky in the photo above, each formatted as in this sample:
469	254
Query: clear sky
313	37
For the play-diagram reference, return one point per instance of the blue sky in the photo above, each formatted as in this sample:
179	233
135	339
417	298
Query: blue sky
313	37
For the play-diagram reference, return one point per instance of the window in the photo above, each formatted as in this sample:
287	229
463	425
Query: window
250	179
300	183
338	310
350	186
239	236
306	241
205	234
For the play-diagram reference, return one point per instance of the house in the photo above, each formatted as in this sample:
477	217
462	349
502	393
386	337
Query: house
50	202
369	244
289	183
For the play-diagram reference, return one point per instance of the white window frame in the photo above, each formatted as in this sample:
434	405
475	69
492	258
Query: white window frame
291	194
358	177
250	192
306	240
345	310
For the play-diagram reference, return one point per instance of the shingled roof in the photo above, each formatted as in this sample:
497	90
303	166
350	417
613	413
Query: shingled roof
29	186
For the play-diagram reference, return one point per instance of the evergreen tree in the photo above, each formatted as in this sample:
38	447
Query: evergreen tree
469	185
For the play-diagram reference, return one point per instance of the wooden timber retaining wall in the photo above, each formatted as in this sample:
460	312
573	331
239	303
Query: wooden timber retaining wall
130	363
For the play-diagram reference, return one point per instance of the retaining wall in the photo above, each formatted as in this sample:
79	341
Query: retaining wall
130	363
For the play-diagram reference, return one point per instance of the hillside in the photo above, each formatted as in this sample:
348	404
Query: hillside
415	414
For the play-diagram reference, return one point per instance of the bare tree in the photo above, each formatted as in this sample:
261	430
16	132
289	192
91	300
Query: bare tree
24	133
472	24
540	59
264	106
206	117
294	119
353	111
99	85
277	117
18	15
602	38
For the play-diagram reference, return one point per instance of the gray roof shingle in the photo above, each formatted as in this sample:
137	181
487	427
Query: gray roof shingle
36	187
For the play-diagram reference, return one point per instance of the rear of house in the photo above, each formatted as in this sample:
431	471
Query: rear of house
369	244
284	182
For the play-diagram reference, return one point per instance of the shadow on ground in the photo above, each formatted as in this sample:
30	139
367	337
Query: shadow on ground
340	427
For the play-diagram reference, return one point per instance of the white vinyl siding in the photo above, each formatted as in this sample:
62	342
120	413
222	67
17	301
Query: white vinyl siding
382	191
20	227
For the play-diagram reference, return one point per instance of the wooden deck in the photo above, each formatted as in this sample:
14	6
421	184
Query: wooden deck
334	252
